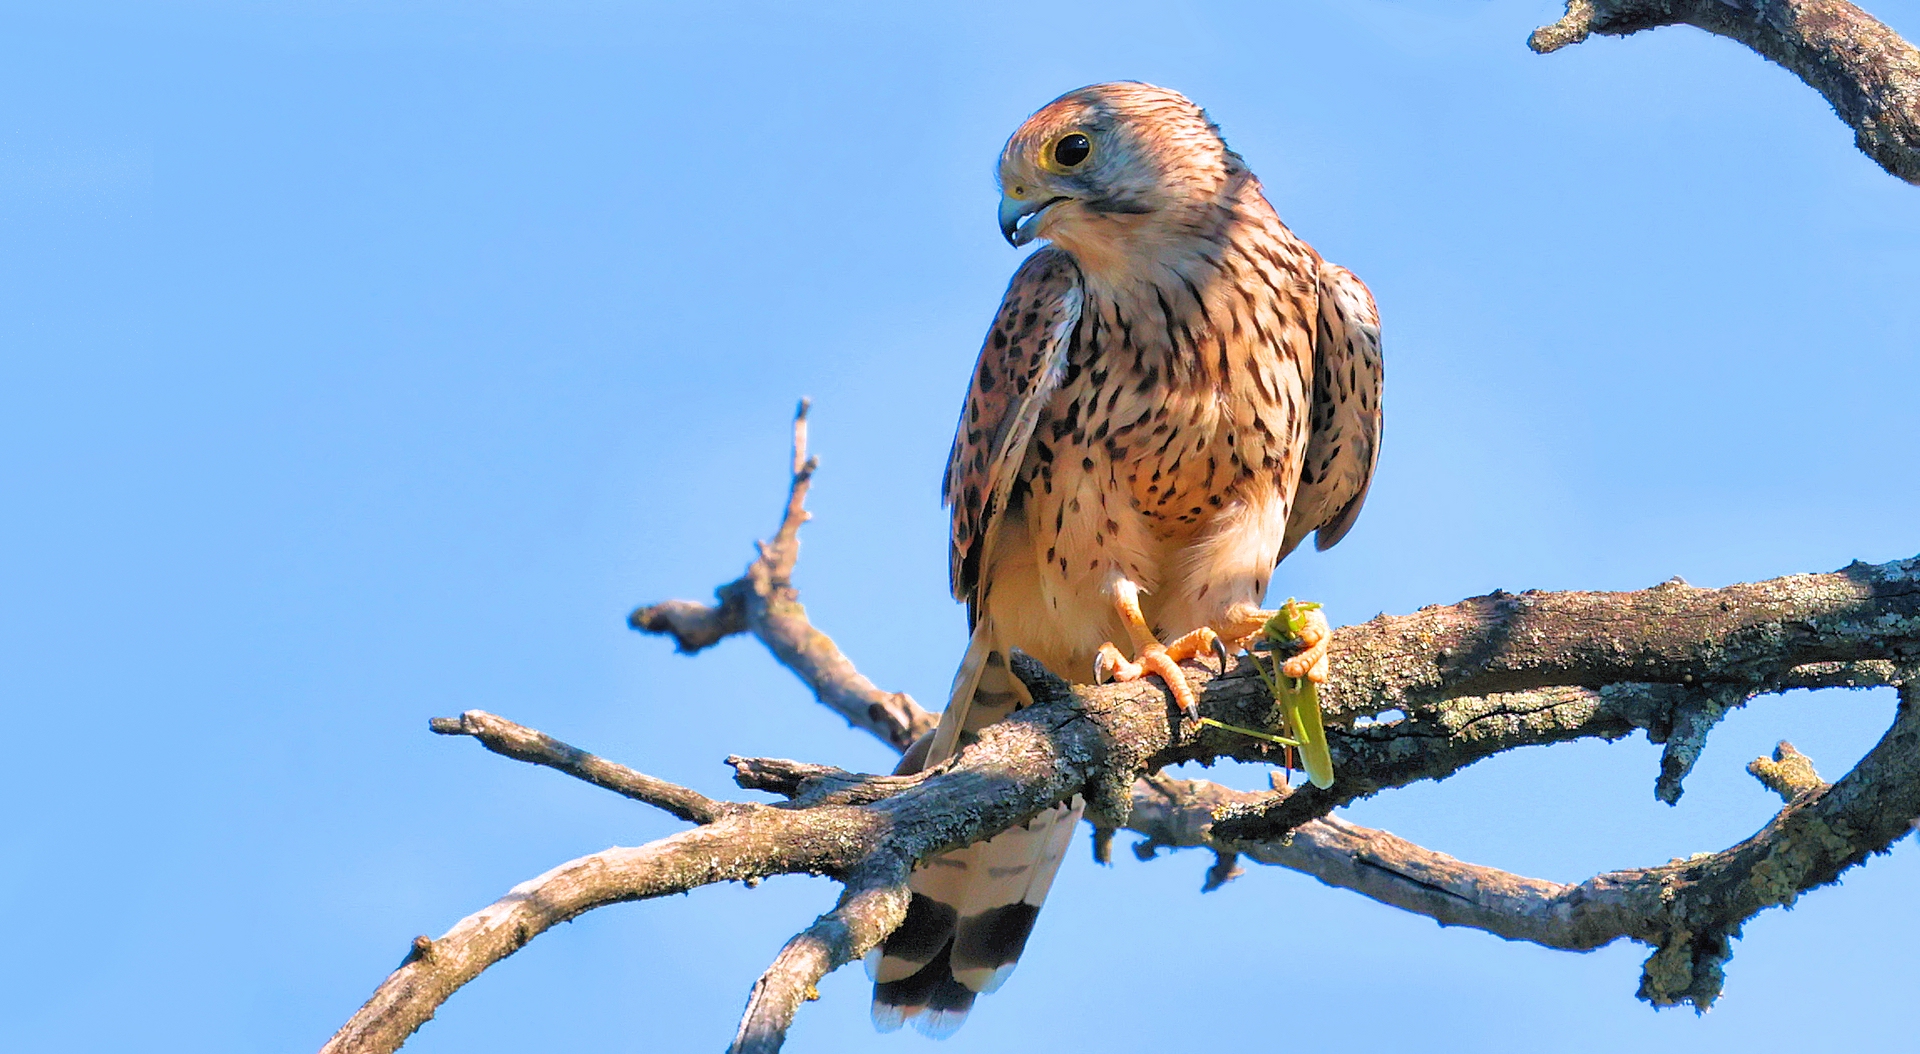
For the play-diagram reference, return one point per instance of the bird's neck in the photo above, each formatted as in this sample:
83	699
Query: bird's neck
1128	257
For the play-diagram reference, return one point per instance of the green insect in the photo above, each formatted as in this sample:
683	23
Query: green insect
1299	697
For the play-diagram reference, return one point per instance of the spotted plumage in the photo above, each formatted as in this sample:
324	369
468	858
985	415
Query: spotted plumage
1174	393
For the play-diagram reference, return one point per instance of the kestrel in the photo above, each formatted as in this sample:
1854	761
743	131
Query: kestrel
1174	394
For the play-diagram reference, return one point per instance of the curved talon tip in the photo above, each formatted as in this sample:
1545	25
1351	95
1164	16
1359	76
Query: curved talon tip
1102	672
1220	649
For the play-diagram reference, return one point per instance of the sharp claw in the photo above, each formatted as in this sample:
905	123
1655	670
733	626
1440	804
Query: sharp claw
1220	649
1102	671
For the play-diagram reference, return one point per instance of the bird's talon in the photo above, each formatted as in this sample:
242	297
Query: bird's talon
1109	666
1220	649
1153	658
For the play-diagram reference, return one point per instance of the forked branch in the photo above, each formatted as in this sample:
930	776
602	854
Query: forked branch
1483	676
762	601
1496	672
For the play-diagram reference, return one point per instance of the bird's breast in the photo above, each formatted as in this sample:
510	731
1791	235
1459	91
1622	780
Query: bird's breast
1177	404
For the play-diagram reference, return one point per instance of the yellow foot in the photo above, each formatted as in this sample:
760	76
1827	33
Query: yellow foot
1110	665
1151	656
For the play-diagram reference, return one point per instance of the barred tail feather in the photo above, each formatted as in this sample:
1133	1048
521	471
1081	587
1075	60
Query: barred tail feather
972	908
998	915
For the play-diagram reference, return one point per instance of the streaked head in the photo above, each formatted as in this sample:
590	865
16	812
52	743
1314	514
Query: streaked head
1107	159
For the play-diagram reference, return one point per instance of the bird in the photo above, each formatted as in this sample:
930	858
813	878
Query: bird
1175	391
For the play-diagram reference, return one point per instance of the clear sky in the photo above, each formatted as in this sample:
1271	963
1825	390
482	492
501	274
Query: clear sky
362	362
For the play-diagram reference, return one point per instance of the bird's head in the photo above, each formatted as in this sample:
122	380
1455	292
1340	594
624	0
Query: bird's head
1109	163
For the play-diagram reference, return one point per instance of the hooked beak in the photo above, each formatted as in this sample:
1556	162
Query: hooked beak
1019	218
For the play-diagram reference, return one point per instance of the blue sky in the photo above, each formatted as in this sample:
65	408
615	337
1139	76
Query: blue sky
367	362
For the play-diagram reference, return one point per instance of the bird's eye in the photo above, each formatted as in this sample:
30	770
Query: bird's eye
1072	149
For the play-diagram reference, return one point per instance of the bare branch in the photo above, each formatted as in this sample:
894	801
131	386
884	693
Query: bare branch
1458	683
1495	672
1598	653
1688	910
1180	813
1487	675
434	969
870	908
784	551
1099	740
1864	69
537	748
763	601
1028	763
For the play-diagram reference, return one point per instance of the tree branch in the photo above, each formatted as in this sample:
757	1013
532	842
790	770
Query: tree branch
1489	674
1021	766
1495	672
1864	69
738	847
872	906
764	602
1458	683
537	748
1688	910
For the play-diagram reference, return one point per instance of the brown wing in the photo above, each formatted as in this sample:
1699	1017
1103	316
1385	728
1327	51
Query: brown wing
973	908
1344	442
1020	367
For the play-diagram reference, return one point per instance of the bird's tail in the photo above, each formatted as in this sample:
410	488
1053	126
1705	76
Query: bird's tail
984	691
973	908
